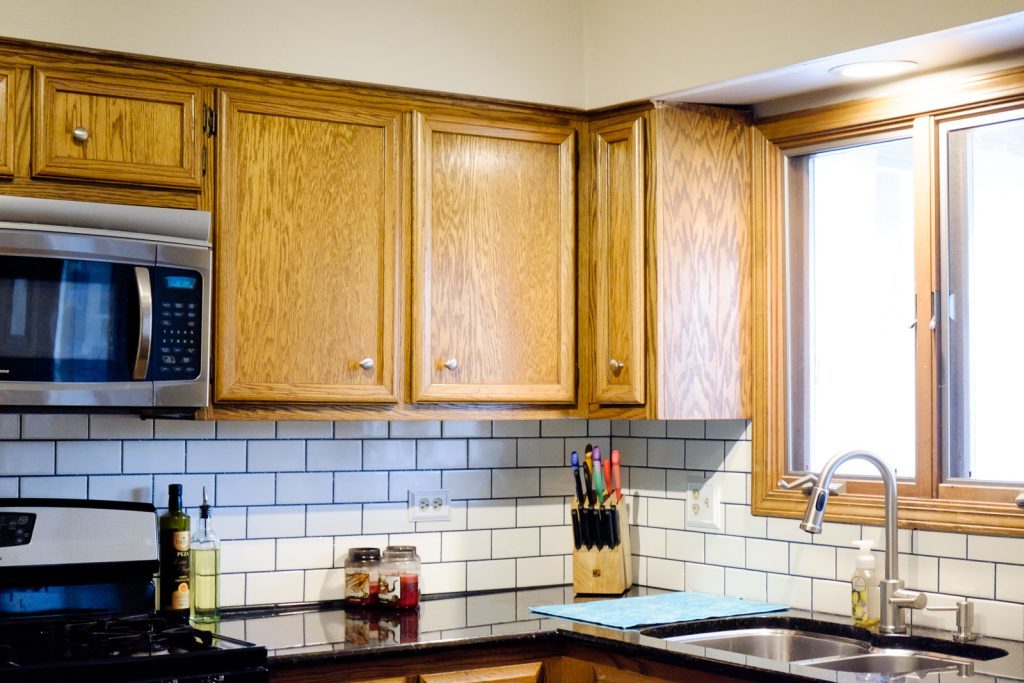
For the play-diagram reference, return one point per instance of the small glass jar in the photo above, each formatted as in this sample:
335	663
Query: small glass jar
400	577
362	572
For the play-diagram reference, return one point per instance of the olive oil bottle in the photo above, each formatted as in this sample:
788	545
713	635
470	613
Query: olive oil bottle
175	556
205	568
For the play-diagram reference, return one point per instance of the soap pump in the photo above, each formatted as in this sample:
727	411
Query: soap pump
864	593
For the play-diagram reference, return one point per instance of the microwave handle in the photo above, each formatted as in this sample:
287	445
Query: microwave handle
145	290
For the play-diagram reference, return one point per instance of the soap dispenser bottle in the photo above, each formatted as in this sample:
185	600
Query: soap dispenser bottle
864	594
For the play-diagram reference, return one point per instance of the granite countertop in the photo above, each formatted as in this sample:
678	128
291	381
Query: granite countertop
295	636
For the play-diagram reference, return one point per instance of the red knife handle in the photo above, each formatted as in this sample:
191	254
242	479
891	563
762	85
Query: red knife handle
607	465
617	474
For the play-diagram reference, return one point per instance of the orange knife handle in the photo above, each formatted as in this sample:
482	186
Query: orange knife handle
607	465
617	474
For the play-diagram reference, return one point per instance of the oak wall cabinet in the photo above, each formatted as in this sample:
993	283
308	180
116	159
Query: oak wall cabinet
7	109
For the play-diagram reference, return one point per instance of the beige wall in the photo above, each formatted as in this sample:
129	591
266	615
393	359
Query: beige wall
568	52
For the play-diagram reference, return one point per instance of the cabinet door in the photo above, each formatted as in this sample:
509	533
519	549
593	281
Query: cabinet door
7	122
494	262
617	279
513	673
307	216
116	129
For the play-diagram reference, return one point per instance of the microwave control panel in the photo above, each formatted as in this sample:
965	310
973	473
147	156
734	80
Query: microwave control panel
177	324
16	528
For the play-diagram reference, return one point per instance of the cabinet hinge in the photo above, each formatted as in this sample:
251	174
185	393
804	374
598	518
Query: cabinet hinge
209	121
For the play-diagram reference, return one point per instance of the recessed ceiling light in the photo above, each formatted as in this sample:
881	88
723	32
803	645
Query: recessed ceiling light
873	69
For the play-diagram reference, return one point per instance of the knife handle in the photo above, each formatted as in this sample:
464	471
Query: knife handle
589	486
617	474
577	539
607	478
598	484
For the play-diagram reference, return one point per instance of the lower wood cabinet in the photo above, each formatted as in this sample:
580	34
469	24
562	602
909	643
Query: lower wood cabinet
532	672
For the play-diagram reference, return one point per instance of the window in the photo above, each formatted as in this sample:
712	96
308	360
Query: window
886	242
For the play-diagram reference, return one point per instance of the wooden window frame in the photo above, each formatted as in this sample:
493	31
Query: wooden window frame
928	502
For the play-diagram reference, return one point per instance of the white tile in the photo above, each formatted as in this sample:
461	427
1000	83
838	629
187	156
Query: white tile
490	575
246	430
456	523
515	542
88	457
53	487
738	456
277	456
556	540
492	453
999	619
385	518
516	428
389	455
52	427
215	456
832	597
247	556
812	560
400	483
562	428
119	427
667	574
705	455
996	549
556	481
620	427
793	591
647	482
428	546
684	545
648	428
304	429
667	453
228	522
839	535
787	530
515	483
342	544
732	487
676	482
667	513
8	487
877	534
964	577
153	456
633	451
274	588
769	556
491	514
184	429
539	511
648	541
334	520
360	429
360	487
191	488
324	584
739	522
334	455
599	428
685	429
726	550
438	454
304	487
449	577
705	578
1010	582
245	489
920	572
10	426
452	429
463	484
134	487
727	429
276	521
415	429
27	457
539	571
232	590
458	546
746	584
305	553
541	452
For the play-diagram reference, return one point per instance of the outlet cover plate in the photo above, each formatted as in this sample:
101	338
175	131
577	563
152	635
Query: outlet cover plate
429	506
704	511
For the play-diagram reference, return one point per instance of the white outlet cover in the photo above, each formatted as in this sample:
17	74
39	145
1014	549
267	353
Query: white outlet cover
429	506
704	510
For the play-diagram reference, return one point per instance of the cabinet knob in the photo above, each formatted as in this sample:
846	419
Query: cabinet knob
80	134
616	366
451	363
366	364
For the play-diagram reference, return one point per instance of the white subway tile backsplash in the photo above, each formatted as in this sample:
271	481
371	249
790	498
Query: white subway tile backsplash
385	518
441	454
400	483
839	535
733	487
563	428
746	584
515	483
324	584
667	574
491	514
556	481
599	428
389	455
939	544
304	429
9	487
685	429
738	456
647	482
276	456
184	429
10	426
728	429
136	488
704	455
447	577
246	430
490	575
1010	582
191	485
684	545
996	549
812	560
541	453
245	489
555	540
832	597
50	427
516	428
668	453
965	577
462	484
793	591
305	553
342	544
27	457
452	429
786	530
361	487
769	556
705	578
421	429
274	587
539	571
725	550
54	487
334	520
215	456
667	513
334	455
360	429
458	546
232	590
515	542
456	523
648	428
428	545
999	619
492	453
247	556
304	487
633	451
153	456
276	521
740	522
652	542
539	511
119	427
920	572
88	457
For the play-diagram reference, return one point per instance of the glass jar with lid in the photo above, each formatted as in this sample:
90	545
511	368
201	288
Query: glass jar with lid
400	577
362	572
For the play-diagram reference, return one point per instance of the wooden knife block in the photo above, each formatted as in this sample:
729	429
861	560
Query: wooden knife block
608	571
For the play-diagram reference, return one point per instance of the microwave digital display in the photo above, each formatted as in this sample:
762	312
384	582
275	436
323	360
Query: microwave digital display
180	282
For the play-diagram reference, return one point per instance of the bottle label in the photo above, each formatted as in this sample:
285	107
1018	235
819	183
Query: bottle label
390	588
175	546
360	584
859	583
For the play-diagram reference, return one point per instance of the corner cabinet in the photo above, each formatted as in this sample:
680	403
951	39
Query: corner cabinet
494	268
307	255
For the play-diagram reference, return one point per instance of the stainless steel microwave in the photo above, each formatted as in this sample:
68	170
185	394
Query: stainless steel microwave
103	306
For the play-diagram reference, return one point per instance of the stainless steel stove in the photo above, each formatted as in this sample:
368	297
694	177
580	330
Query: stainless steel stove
77	598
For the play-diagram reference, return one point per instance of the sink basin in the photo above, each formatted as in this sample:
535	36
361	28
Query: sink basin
783	645
891	662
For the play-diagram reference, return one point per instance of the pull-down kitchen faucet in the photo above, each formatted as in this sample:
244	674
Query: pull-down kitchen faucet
892	595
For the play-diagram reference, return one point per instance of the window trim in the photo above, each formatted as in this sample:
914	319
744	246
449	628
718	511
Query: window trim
929	503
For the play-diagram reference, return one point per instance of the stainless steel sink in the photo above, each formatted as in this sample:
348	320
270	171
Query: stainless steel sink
783	645
891	662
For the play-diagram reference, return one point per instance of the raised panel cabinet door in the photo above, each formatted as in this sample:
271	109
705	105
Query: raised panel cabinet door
494	243
306	254
7	109
532	672
116	129
617	279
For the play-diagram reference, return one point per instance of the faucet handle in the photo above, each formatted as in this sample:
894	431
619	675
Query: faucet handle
964	609
807	482
909	599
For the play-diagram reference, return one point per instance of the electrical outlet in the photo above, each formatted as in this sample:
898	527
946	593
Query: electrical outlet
429	506
703	505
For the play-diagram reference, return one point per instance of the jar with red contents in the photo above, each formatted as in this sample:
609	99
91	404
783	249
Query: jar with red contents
400	577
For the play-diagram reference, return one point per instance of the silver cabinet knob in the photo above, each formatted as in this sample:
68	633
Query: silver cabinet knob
80	134
366	364
451	363
616	366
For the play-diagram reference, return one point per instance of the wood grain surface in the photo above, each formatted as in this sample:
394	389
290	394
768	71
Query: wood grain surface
306	251
139	132
494	272
531	672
